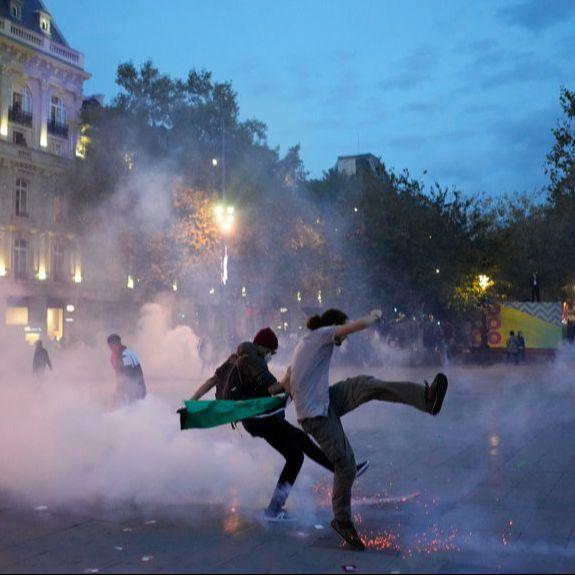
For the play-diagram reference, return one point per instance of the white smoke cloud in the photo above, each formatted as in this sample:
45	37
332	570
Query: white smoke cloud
63	442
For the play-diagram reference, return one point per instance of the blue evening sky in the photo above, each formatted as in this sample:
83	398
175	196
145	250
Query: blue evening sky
465	91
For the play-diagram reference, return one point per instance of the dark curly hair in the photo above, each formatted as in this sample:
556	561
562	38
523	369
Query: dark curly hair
329	318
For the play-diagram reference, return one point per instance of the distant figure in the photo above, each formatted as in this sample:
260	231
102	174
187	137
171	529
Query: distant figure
513	348
41	360
535	288
129	374
522	346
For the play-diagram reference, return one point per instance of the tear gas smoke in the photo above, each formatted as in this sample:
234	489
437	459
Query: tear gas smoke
63	443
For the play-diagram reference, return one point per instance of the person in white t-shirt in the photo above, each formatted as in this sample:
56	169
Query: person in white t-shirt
319	407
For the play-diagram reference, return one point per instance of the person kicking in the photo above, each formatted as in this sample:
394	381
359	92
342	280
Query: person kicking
253	379
320	407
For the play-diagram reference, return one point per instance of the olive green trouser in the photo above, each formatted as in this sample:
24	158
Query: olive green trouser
329	434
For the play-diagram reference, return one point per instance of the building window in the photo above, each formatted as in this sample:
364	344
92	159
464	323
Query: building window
58	267
16	316
19	139
22	100
21	110
21	259
58	124
16	10
55	323
21	200
58	111
45	25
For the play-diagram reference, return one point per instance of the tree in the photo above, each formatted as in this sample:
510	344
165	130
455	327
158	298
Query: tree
163	125
194	229
561	160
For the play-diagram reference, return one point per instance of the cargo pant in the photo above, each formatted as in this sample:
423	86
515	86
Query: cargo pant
329	434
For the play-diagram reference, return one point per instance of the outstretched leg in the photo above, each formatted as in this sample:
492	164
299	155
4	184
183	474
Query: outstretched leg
354	392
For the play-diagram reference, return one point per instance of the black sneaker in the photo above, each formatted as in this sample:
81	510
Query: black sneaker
362	468
346	530
435	394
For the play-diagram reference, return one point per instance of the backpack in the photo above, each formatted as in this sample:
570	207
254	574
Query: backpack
237	379
229	380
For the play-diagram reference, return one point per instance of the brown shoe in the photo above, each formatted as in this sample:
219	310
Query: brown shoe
435	394
346	530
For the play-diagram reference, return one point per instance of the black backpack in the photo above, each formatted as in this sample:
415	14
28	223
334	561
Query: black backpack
229	385
237	379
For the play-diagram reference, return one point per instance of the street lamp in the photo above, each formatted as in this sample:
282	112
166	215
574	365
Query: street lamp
225	218
485	282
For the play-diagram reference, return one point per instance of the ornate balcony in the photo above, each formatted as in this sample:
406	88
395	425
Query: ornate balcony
58	129
40	42
18	116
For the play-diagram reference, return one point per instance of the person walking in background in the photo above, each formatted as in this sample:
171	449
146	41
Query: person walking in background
129	374
512	348
41	360
320	407
521	346
535	288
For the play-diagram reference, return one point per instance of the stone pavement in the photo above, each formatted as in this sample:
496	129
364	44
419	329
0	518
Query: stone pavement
486	487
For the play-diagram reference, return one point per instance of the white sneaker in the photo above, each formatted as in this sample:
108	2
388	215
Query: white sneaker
282	517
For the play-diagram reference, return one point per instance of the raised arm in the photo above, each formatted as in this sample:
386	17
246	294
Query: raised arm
205	388
365	322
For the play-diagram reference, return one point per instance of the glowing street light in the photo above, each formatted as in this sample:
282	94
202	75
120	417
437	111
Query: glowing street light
485	282
225	218
215	162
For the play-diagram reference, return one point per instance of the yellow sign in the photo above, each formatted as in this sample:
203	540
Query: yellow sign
540	324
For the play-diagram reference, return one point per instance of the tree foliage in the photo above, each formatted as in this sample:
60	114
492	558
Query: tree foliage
372	239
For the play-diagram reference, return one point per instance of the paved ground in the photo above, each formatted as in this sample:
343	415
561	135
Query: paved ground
487	487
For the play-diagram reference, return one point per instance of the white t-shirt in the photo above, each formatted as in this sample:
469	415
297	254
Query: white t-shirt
309	382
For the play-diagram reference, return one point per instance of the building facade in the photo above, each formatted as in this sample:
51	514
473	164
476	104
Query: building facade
360	163
41	94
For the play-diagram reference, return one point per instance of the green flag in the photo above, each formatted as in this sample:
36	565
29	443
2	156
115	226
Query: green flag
206	414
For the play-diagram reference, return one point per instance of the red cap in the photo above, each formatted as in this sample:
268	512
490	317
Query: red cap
267	338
